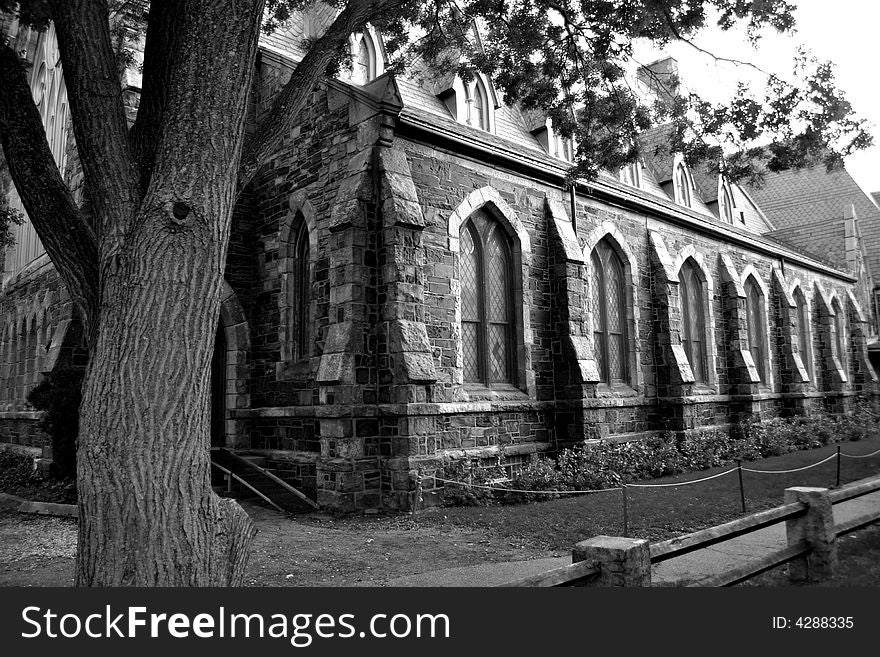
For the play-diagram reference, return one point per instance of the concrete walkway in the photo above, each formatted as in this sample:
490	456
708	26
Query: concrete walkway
693	566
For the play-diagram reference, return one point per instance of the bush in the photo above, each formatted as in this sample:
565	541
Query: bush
59	394
470	472
606	464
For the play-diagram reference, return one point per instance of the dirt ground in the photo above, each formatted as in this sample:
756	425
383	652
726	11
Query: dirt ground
312	550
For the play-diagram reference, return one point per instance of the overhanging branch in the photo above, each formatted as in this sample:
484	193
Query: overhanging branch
285	109
64	231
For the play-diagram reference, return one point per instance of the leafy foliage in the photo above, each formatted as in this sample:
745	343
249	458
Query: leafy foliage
609	464
573	61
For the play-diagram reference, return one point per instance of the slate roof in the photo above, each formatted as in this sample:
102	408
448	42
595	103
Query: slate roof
655	149
816	199
509	122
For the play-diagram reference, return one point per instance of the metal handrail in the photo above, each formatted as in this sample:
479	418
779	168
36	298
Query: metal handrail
229	473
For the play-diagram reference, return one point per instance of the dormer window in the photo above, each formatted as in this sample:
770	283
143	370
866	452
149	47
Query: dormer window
366	57
479	105
682	184
472	102
725	203
631	174
563	148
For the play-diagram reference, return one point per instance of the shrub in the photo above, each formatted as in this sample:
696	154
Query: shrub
470	472
606	464
59	395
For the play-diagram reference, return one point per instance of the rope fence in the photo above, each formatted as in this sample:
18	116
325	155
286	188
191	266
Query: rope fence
739	469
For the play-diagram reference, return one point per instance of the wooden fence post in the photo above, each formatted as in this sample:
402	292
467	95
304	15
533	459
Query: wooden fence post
621	561
816	527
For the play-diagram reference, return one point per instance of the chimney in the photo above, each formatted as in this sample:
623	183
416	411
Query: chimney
660	77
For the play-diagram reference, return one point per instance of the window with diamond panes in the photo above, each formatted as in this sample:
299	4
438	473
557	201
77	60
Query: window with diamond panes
693	327
486	301
755	316
803	327
299	289
609	315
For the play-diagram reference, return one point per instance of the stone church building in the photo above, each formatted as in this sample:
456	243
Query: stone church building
409	280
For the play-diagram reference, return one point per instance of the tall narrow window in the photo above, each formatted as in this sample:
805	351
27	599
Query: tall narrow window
486	301
755	316
804	334
300	290
364	68
631	175
683	185
693	325
479	106
726	202
609	316
840	333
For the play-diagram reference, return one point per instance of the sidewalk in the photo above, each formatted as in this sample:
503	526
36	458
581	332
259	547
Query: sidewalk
695	565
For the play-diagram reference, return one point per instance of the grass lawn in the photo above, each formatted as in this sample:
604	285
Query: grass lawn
858	563
659	513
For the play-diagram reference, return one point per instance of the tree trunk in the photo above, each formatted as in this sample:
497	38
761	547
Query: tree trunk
148	514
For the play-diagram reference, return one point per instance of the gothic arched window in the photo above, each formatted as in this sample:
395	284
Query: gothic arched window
726	203
693	325
840	333
755	317
486	301
631	174
804	333
479	105
364	68
299	289
682	185
609	313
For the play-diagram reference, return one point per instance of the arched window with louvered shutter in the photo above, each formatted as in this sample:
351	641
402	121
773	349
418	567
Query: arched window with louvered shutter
804	331
486	301
756	333
479	105
608	296
682	185
693	325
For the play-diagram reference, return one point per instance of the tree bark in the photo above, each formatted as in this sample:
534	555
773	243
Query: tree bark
148	515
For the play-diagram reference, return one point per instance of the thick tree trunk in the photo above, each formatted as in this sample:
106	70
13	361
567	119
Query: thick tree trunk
148	513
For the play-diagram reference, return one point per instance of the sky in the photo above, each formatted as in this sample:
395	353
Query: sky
846	32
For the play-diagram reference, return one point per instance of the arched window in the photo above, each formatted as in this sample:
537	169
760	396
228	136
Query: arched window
486	301
609	313
631	174
299	290
682	185
479	105
840	333
726	204
693	325
804	332
755	317
364	65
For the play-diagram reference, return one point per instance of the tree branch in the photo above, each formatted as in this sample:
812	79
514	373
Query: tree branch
670	22
64	231
164	37
285	109
96	108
